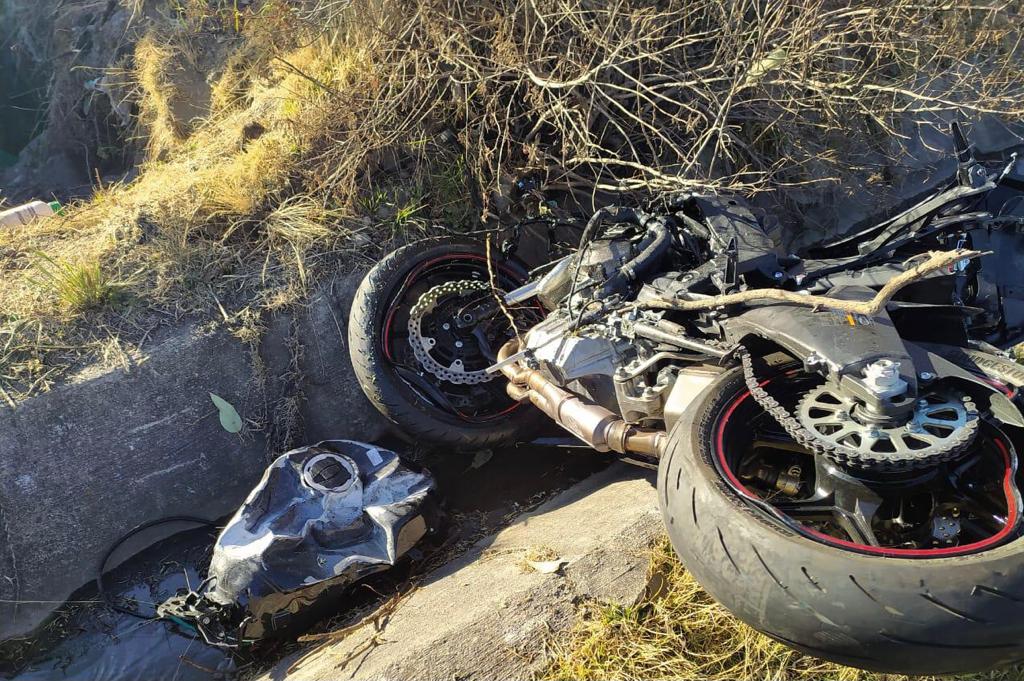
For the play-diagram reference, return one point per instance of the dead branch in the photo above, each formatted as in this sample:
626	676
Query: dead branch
937	260
635	96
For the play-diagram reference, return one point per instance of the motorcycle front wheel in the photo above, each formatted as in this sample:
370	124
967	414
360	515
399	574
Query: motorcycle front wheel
925	594
419	361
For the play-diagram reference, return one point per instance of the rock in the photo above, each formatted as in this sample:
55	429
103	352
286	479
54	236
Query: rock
484	616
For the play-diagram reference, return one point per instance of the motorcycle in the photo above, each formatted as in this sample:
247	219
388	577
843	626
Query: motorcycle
835	432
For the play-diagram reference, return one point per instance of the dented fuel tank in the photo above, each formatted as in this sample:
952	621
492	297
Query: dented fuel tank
321	518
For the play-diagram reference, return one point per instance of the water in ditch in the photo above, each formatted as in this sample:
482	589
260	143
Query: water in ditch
89	640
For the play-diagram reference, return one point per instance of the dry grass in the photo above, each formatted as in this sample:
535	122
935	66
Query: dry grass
270	132
154	69
680	633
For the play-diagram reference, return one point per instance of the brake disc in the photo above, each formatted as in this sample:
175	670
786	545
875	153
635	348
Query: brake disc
943	421
422	345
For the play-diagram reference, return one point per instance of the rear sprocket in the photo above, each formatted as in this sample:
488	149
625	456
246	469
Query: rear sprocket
874	456
943	421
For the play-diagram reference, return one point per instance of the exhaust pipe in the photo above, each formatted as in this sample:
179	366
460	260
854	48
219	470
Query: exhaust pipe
598	427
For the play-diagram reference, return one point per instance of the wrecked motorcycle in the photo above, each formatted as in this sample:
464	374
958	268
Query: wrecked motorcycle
835	431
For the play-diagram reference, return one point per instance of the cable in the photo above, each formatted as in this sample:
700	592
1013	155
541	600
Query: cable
615	215
107	598
585	240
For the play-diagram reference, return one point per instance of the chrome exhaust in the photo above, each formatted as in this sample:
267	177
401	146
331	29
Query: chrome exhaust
598	427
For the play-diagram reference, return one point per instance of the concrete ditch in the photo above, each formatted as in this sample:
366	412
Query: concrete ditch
487	615
82	465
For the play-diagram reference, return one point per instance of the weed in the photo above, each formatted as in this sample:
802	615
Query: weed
449	192
78	286
243	183
156	63
373	201
302	220
406	213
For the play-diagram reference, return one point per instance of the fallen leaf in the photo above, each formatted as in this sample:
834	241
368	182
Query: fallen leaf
481	458
229	418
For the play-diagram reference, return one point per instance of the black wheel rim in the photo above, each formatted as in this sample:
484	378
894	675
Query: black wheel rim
479	403
962	507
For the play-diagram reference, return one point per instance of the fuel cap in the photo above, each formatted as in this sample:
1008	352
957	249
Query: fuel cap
329	472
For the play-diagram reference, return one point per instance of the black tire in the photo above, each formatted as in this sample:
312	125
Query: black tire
897	615
417	418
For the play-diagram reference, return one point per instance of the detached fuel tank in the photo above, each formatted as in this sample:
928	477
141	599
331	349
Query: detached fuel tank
321	518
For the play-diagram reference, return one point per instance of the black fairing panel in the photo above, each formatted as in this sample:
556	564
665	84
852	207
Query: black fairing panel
739	234
1001	280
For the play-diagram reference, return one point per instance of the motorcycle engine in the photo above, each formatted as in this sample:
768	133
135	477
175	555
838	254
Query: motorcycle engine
584	362
599	262
600	360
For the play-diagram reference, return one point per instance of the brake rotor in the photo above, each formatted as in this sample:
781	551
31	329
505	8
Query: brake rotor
943	423
422	346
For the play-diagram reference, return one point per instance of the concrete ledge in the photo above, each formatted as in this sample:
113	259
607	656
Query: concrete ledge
485	616
83	464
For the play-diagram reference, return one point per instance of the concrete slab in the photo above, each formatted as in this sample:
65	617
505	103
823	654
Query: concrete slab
486	616
83	464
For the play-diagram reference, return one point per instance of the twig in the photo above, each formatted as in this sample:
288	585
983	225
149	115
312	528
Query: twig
496	292
302	74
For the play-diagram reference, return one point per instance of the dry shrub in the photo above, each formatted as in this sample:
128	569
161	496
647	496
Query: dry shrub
622	97
646	96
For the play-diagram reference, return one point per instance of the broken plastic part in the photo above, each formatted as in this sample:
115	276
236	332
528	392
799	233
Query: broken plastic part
321	518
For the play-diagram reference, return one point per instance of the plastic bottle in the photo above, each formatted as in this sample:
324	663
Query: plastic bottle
26	213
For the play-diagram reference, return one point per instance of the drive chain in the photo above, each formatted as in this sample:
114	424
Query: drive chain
847	457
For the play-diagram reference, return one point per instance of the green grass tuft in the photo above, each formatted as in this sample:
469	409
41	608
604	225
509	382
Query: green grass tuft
78	286
406	213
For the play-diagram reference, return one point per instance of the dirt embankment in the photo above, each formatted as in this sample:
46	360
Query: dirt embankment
67	55
236	153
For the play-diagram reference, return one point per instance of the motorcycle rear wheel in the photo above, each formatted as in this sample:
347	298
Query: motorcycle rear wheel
931	613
